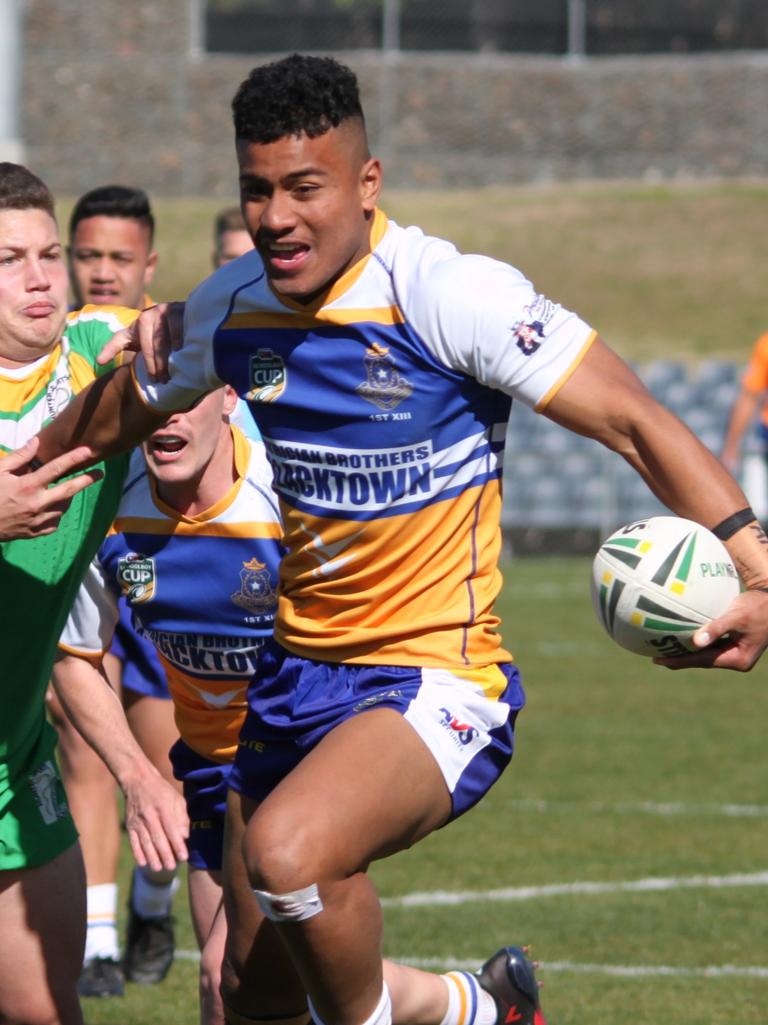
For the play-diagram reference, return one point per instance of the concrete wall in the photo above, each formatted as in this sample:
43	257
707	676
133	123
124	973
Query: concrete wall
118	91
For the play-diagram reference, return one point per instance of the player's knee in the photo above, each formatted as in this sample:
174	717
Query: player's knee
281	856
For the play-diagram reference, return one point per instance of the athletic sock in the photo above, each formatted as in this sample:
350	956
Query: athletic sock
150	899
382	1014
468	1002
101	938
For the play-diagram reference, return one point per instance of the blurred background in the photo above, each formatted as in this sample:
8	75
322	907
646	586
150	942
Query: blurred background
615	150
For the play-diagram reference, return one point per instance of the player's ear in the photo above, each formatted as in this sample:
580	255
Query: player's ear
151	267
370	183
230	400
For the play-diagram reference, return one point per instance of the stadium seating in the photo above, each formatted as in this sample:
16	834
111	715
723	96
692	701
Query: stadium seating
558	481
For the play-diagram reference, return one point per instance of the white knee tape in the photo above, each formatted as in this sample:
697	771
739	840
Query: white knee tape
290	907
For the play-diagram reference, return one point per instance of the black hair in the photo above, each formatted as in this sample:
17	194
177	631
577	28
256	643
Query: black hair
114	201
22	190
298	95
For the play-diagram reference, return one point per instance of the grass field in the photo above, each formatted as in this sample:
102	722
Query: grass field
624	773
673	270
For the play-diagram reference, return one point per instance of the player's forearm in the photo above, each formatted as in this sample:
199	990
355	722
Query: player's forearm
108	416
96	711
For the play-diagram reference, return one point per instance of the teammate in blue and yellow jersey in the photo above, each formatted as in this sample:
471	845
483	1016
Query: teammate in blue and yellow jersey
46	357
381	365
112	260
194	553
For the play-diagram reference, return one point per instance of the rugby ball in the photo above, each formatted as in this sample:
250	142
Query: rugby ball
655	582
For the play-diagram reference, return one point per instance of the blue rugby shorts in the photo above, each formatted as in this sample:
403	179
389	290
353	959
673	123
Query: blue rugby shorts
205	791
465	717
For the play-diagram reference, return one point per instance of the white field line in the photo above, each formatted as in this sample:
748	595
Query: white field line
443	898
627	971
661	808
520	893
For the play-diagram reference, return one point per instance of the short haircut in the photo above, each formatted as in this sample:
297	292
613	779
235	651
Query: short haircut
230	219
22	190
114	201
297	95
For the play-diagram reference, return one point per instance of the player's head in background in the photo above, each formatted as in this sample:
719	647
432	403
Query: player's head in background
308	184
190	457
33	276
111	259
230	236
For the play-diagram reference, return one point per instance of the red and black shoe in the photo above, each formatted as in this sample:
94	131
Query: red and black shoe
510	979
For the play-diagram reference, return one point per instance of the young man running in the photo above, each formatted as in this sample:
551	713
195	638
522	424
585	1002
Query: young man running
46	357
380	365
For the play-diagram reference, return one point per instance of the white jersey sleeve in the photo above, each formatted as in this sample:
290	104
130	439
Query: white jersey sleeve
92	620
483	318
191	367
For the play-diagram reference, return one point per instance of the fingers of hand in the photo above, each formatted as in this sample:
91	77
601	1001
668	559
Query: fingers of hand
119	342
20	457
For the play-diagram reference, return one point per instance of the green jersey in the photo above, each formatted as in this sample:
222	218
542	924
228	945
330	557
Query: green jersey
39	578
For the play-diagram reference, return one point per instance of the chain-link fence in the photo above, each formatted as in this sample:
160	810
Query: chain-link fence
577	27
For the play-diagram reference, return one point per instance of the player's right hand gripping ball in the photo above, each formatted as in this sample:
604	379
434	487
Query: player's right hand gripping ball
656	581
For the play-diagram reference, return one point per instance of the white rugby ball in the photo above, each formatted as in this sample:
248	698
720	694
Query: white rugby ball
655	582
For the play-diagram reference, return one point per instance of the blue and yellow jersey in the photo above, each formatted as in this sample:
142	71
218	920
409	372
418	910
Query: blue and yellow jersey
202	590
383	408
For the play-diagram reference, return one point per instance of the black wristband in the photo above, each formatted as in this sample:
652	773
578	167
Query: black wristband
731	524
35	464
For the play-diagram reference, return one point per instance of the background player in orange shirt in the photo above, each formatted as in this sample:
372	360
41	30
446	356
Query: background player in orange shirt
751	400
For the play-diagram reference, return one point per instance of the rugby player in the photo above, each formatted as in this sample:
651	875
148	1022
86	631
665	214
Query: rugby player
198	504
47	356
112	261
380	365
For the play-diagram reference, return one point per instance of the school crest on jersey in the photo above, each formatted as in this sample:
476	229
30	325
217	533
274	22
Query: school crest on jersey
384	385
266	376
136	577
256	592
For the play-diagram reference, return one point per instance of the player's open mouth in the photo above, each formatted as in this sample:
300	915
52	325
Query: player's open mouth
286	256
166	446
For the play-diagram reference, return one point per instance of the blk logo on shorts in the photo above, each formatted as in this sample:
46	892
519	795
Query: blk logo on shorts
463	732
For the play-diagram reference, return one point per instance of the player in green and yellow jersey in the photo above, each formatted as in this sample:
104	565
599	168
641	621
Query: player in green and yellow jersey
46	357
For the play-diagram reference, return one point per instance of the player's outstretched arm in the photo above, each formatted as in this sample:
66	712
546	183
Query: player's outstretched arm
155	814
29	505
155	334
605	400
108	417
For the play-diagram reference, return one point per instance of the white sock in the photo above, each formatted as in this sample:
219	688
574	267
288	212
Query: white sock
382	1014
101	937
149	899
468	1002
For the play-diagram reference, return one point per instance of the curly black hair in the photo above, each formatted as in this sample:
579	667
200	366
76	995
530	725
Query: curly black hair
294	96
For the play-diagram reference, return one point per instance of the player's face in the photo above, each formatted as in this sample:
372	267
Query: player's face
193	447
33	286
308	205
111	261
231	245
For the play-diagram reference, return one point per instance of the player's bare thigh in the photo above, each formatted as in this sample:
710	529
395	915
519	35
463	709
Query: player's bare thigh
259	980
42	911
370	788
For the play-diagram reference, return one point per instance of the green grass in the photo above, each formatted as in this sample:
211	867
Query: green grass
658	270
606	737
